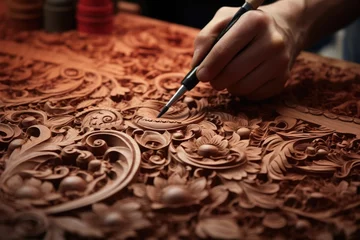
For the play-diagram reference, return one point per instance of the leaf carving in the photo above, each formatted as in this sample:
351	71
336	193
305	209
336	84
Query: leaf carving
218	228
74	225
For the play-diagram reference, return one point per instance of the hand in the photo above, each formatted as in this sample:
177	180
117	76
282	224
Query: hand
253	59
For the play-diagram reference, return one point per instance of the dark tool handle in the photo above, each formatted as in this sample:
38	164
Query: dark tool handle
190	80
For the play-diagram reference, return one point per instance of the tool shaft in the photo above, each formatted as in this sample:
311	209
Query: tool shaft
191	80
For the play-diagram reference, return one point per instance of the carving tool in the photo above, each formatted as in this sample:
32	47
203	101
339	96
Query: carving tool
190	80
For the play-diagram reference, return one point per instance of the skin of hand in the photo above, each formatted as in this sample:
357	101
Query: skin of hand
253	59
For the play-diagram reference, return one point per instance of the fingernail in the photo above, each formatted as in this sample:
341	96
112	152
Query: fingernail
200	74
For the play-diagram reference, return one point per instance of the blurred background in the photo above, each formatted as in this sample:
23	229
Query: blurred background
198	13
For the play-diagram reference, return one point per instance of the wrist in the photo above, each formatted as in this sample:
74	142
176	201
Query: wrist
288	14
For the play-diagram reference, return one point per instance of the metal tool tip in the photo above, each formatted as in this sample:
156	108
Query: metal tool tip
164	110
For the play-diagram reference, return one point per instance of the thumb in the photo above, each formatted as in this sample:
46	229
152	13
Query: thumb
206	37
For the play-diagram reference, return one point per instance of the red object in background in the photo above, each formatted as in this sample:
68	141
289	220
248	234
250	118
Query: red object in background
25	15
95	2
95	16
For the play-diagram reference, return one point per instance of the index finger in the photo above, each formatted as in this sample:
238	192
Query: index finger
206	37
250	25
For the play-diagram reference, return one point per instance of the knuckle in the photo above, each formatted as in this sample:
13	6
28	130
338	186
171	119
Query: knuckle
223	10
278	41
259	19
204	75
200	38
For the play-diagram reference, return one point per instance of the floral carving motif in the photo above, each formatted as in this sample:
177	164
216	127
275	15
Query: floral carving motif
44	81
100	118
126	214
176	192
230	157
8	132
84	156
80	171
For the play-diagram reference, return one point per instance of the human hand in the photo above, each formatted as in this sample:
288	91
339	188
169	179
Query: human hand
253	59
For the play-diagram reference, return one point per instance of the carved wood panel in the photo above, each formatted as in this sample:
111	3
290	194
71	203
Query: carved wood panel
84	156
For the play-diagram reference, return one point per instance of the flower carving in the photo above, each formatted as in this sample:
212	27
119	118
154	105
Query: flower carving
231	158
239	124
119	221
176	192
151	139
219	227
192	130
153	162
210	150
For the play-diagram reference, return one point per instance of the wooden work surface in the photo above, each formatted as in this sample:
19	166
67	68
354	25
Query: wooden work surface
82	155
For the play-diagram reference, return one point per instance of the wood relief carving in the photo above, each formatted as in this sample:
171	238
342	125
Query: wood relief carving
83	156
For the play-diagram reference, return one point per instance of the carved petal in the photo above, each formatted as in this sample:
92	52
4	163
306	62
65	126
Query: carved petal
218	228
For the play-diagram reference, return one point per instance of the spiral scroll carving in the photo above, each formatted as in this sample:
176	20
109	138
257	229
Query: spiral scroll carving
84	156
